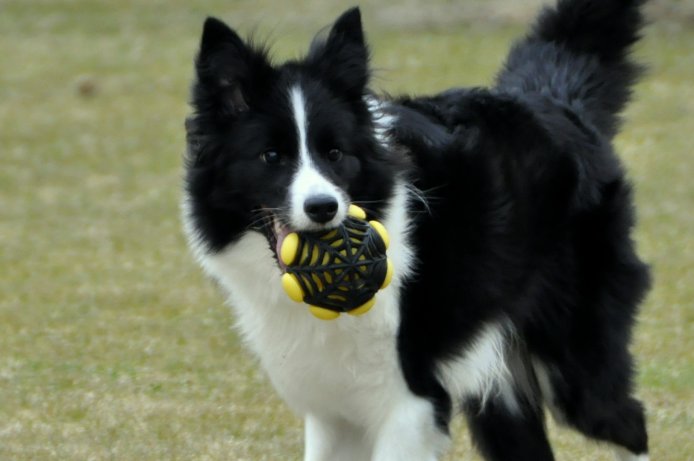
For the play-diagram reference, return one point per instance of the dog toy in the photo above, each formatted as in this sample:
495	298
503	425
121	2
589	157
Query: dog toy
338	270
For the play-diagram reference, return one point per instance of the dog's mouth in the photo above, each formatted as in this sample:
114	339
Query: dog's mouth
275	231
280	231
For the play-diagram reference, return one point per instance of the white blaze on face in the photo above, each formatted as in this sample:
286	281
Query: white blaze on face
308	180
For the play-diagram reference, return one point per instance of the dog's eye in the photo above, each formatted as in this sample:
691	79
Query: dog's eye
271	157
334	155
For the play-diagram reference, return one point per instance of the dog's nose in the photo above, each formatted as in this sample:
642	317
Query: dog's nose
321	208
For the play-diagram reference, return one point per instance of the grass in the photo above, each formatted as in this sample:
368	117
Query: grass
112	344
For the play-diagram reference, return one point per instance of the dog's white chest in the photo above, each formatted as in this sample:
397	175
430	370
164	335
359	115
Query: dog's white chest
343	367
347	366
340	368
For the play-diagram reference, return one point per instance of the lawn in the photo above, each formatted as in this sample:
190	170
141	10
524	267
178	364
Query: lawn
113	346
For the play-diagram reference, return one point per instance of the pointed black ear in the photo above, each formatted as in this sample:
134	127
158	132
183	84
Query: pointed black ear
348	28
216	34
343	58
227	67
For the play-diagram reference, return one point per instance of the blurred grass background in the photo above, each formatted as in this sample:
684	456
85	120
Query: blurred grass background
112	344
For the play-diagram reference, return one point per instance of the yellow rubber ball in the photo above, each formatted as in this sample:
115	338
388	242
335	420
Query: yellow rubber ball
291	286
356	212
322	313
289	248
380	228
364	308
389	274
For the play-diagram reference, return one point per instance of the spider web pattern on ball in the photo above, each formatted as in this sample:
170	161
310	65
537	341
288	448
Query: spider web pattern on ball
340	269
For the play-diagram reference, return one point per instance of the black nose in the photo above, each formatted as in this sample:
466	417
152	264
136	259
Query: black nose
321	208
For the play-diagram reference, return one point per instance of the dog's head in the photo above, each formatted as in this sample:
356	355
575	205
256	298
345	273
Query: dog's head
274	148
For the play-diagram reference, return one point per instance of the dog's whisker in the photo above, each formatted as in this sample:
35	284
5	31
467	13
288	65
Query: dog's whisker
420	196
359	202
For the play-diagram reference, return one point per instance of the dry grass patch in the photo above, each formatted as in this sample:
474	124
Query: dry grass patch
113	346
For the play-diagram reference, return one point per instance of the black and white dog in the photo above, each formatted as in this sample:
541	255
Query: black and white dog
516	281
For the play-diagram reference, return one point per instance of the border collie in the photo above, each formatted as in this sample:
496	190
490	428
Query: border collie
516	279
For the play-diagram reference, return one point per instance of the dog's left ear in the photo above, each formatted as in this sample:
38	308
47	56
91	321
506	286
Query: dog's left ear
343	58
230	72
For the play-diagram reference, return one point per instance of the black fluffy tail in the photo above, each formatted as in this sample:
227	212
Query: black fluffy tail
578	53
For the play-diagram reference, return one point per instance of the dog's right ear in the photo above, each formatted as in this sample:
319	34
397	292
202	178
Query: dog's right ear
343	58
227	69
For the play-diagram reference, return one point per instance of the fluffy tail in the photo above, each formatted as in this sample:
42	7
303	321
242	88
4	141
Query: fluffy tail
578	53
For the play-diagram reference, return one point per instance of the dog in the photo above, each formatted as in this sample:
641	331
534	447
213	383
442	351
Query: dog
516	280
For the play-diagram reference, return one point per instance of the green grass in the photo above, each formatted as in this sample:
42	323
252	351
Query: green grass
112	343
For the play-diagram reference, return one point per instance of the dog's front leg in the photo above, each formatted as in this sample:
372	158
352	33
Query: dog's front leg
410	433
330	439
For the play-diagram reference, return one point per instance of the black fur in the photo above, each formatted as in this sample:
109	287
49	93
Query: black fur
535	199
528	214
241	111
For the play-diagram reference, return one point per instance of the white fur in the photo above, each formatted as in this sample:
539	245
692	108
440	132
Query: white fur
410	433
343	376
308	181
383	121
621	454
334	439
339	374
298	103
543	380
481	370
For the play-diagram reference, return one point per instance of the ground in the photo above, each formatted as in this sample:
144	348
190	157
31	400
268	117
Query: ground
112	343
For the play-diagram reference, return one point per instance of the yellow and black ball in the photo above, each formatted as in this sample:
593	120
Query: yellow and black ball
338	270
